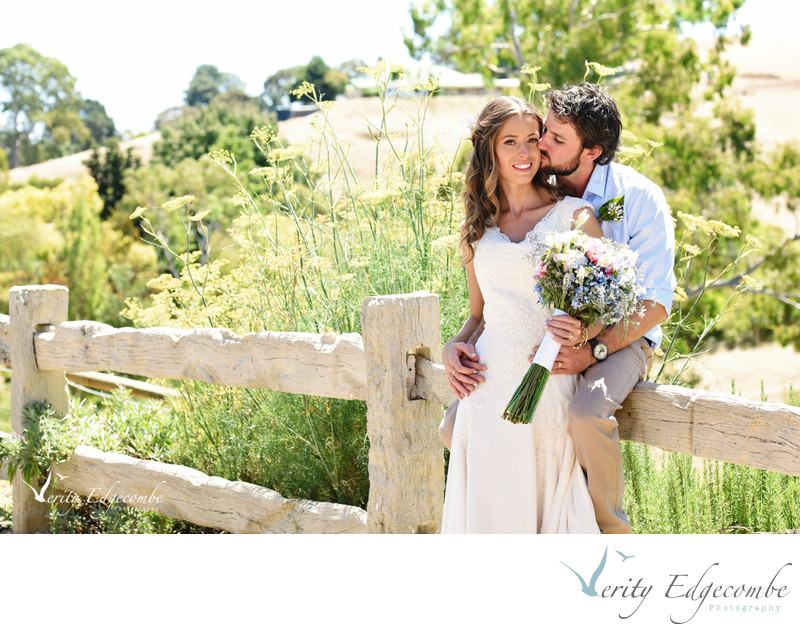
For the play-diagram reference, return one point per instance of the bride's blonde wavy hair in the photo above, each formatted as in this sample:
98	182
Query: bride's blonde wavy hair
482	192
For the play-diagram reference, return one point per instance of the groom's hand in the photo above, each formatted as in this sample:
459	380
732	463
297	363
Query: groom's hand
570	360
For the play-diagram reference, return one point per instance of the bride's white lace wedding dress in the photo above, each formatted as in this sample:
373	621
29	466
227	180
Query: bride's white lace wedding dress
504	477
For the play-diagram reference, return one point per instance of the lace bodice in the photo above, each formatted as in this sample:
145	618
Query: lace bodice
504	270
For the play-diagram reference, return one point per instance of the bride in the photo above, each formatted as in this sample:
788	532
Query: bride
504	477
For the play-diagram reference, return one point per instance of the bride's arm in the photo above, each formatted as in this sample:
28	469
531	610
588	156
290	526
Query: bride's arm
460	360
591	226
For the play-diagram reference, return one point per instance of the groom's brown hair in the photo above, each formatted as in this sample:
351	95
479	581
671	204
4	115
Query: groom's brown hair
593	114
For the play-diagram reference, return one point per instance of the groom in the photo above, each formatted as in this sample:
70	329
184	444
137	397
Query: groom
581	138
578	145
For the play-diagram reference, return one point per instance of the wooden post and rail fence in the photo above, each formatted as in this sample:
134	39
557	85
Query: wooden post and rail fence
394	365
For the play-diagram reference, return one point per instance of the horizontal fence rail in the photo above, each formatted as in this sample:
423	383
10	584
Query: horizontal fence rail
324	365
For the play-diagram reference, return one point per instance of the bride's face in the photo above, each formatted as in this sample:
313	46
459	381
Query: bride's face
516	149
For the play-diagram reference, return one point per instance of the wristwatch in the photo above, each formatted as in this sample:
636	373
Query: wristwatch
599	349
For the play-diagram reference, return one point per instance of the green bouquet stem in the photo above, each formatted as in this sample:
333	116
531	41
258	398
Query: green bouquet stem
525	399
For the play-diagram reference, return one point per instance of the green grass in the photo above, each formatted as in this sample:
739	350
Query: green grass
675	493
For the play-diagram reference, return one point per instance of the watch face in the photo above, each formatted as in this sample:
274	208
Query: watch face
600	351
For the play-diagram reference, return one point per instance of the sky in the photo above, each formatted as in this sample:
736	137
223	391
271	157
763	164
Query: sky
137	58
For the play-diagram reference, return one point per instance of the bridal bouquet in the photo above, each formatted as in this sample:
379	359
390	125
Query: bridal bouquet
587	278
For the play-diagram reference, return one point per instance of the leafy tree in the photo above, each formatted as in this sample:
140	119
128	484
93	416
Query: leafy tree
643	40
98	122
331	82
278	85
208	82
225	123
41	106
108	167
328	83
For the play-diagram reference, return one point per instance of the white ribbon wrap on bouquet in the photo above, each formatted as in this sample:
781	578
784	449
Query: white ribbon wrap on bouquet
548	350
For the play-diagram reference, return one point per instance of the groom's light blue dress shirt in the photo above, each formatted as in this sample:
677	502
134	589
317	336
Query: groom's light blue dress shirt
646	226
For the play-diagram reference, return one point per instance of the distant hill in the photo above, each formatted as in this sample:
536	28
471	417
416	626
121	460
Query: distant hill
70	167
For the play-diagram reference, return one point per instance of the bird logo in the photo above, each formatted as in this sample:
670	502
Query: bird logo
590	588
625	558
40	494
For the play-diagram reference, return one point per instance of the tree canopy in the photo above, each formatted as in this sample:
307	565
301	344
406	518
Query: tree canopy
329	82
642	40
97	121
225	123
41	107
209	82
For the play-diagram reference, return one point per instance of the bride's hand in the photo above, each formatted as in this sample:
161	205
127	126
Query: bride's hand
462	365
565	330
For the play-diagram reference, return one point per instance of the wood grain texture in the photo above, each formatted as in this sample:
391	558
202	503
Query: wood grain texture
186	494
326	365
406	466
713	426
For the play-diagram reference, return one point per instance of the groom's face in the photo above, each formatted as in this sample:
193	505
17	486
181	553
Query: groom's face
560	146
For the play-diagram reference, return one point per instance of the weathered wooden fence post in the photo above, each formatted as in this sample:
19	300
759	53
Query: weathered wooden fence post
33	309
406	460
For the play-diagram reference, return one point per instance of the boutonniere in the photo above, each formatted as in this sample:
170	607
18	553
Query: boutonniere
611	211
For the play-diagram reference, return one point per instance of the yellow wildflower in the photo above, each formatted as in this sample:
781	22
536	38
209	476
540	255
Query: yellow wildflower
382	67
282	154
600	69
752	242
722	229
222	157
199	216
446	242
178	203
240	199
748	282
263	135
694	223
305	89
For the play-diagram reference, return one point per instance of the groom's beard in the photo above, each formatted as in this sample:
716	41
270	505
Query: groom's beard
564	169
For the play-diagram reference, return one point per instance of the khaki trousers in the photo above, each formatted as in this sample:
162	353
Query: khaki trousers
600	392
